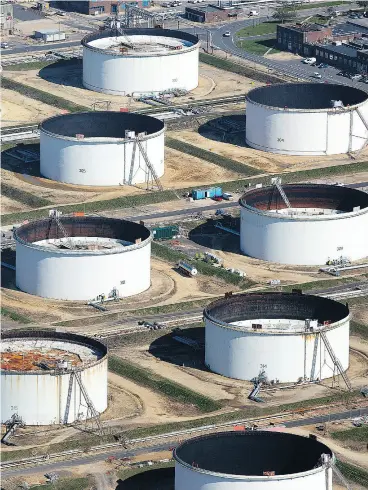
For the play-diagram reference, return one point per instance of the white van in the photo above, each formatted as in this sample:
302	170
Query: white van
253	13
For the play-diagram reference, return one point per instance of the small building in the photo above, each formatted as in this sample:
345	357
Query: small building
293	37
6	18
209	13
95	7
343	56
50	35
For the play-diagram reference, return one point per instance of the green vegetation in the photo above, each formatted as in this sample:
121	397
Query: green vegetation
174	256
42	96
23	196
13	315
35	65
258	47
127	473
86	441
312	5
246	71
353	473
211	157
166	196
323	284
149	379
355	434
173	307
66	484
359	329
258	30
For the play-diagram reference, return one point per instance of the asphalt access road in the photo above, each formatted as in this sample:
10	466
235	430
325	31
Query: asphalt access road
289	67
164	446
44	47
211	207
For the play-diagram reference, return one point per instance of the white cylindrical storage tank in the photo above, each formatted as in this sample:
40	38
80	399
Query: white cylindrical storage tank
307	118
102	256
140	61
101	148
40	372
324	222
253	460
280	336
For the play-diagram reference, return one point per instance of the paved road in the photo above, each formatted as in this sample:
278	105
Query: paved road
211	207
289	67
94	458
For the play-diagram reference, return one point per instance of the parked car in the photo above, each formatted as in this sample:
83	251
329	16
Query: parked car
309	61
356	77
227	34
217	198
322	65
4	46
316	75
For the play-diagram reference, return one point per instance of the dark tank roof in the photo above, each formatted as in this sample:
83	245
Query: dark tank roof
309	96
251	453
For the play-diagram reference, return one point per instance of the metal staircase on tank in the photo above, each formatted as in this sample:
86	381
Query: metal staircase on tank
138	142
92	414
335	360
314	359
330	463
54	216
277	183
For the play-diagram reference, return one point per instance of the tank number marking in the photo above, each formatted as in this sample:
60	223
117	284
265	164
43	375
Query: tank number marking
14	407
280	140
83	170
340	248
174	79
122	282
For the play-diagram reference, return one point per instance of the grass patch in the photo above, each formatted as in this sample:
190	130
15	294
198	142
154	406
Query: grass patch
174	256
35	65
258	47
87	441
149	379
353	473
23	197
166	196
244	414
41	96
13	315
174	307
259	29
66	484
232	67
211	157
312	5
129	472
323	284
359	329
356	434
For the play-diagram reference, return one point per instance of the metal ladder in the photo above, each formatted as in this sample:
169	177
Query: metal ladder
329	462
94	414
68	243
148	163
68	398
281	191
336	361
130	179
314	359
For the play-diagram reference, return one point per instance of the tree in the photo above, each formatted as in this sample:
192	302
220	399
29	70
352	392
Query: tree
363	3
283	13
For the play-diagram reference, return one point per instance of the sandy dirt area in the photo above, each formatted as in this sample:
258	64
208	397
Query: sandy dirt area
167	286
66	81
283	56
267	162
182	170
16	109
28	27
